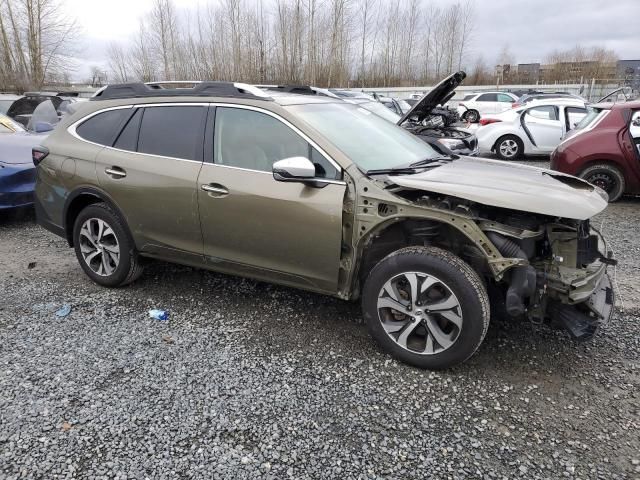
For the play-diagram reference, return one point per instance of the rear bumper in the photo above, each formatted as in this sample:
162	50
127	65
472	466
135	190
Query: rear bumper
17	183
45	222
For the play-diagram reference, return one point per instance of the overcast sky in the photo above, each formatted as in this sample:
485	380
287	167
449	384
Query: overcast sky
531	28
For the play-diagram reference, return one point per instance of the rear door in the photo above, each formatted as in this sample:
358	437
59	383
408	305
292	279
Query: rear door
253	225
487	103
504	103
543	126
151	173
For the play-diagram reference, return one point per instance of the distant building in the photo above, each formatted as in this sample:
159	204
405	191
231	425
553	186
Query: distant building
528	72
629	72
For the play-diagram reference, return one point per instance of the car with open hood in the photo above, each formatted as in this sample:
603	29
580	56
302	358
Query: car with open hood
316	193
432	122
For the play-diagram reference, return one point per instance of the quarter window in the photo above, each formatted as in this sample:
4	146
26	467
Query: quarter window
574	116
505	98
172	131
103	127
253	140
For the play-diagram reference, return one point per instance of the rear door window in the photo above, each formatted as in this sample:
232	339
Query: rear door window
128	138
487	97
173	131
103	127
546	112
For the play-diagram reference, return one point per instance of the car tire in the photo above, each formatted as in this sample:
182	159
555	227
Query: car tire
446	322
471	116
607	177
509	147
104	247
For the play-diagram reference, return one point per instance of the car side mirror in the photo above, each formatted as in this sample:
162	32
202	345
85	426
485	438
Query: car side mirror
294	169
41	127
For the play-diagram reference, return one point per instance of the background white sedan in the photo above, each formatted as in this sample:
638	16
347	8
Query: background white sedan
534	129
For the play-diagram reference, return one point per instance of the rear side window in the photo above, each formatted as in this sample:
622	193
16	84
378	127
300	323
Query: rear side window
103	127
468	97
487	97
173	131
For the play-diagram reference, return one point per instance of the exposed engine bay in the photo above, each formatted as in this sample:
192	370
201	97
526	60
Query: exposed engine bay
561	276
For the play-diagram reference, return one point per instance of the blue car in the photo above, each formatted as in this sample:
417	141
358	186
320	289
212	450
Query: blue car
17	172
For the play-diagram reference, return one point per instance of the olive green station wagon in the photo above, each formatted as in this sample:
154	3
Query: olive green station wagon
319	194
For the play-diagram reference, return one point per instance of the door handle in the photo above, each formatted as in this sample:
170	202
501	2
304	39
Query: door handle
116	172
219	190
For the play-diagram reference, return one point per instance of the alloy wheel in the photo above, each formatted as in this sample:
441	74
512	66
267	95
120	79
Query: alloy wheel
509	148
99	246
420	313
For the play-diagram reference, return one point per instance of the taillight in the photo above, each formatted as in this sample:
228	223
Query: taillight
487	121
38	154
515	105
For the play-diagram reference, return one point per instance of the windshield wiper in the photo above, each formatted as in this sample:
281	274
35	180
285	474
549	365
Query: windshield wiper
427	161
390	171
409	169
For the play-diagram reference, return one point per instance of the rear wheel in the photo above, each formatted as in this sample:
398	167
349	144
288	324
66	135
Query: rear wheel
104	247
509	147
426	307
471	116
607	177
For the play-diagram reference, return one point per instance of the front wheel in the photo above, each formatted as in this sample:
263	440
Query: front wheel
607	177
426	307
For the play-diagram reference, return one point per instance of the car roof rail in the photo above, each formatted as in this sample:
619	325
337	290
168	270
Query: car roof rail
198	89
297	89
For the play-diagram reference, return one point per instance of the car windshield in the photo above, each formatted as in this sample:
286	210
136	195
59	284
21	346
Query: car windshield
589	118
380	110
369	141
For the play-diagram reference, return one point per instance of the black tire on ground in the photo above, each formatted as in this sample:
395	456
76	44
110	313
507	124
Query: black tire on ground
607	177
509	147
454	277
129	266
472	116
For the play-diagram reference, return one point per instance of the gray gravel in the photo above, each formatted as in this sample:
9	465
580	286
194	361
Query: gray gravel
248	380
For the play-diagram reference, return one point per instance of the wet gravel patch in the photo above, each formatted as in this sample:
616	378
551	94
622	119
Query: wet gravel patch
249	380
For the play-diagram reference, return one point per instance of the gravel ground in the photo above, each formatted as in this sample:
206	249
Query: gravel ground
248	380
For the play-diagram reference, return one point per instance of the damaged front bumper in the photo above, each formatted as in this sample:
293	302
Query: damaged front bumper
580	300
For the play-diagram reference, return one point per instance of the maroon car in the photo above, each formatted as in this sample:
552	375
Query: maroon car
604	148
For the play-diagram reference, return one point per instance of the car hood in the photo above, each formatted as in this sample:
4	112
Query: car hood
438	95
15	148
512	186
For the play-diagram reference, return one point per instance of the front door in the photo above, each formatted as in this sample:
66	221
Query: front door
253	225
544	127
151	173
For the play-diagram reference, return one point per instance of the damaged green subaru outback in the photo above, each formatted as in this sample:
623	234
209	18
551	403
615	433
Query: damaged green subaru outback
319	194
